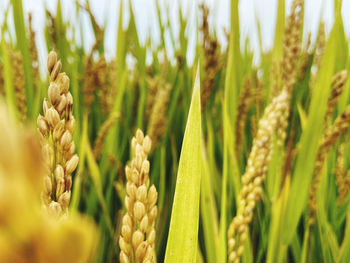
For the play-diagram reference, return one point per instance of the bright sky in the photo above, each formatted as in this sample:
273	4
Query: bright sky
146	18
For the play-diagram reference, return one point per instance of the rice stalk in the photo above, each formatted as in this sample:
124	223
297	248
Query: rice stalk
97	29
33	53
2	81
52	29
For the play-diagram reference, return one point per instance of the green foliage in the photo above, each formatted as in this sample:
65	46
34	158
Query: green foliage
183	230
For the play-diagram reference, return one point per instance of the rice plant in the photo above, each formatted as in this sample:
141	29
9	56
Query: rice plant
122	158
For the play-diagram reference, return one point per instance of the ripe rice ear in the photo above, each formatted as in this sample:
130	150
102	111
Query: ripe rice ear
101	136
137	233
255	174
55	129
328	140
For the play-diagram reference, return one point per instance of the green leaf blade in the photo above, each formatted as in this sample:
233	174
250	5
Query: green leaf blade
183	232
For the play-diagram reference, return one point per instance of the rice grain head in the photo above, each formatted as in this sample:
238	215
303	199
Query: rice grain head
152	88
102	83
28	233
245	99
56	128
101	136
256	169
342	177
112	83
305	59
291	44
338	83
18	83
137	233
212	58
328	140
95	75
157	122
291	51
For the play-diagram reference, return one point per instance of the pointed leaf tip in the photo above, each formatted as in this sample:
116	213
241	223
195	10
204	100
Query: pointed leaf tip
197	80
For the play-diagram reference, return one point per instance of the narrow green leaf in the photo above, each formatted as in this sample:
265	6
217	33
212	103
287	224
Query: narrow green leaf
208	212
96	178
78	177
279	30
183	232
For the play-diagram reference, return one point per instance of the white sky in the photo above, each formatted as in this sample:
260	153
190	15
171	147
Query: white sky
146	18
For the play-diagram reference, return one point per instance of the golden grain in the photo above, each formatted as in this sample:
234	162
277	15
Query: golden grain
137	233
328	139
157	122
338	83
342	177
55	129
18	83
256	169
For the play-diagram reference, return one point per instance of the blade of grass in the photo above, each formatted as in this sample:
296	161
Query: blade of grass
208	212
183	231
78	177
96	178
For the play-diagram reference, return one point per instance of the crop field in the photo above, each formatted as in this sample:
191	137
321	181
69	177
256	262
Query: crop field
144	156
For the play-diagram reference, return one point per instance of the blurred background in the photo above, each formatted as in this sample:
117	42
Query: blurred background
107	13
